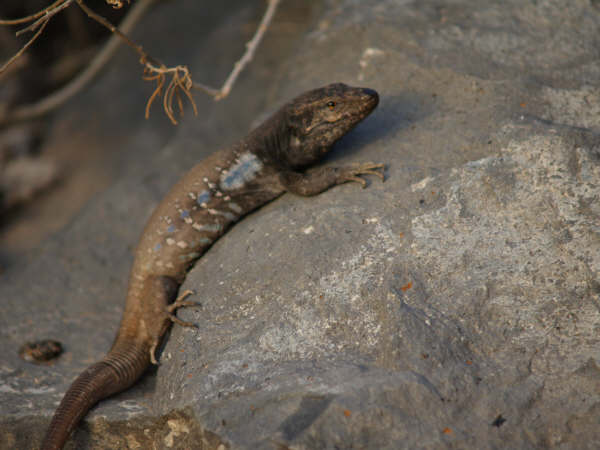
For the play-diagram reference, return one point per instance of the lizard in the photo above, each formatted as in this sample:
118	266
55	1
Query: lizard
274	158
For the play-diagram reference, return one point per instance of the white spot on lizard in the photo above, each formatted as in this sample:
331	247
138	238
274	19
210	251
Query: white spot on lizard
242	171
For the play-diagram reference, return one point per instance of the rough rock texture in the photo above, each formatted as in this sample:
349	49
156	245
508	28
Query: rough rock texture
456	305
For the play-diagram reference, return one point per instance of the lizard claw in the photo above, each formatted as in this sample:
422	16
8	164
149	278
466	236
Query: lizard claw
181	302
153	359
352	173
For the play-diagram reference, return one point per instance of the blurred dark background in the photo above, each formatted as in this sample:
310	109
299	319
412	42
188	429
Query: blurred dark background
66	46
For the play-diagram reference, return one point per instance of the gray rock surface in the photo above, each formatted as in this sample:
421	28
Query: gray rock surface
456	305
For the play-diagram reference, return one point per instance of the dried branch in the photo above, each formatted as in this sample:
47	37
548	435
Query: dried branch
63	94
41	20
250	49
35	16
153	70
105	23
25	47
46	17
181	80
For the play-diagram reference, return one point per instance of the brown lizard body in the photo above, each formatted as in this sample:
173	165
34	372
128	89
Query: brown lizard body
212	196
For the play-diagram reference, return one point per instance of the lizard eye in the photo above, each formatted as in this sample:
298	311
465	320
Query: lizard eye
331	105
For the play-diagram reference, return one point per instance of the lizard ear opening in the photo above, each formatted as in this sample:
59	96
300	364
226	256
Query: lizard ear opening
300	122
294	124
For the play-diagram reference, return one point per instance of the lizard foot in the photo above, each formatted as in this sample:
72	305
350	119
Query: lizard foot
352	173
181	302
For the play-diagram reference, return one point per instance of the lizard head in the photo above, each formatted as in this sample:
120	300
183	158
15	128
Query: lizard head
318	118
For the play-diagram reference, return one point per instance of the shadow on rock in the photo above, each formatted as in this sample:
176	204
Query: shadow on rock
395	113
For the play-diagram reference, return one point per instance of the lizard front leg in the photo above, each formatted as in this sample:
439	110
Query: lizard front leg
315	181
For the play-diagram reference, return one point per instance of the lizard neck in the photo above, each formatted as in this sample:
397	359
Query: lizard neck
271	141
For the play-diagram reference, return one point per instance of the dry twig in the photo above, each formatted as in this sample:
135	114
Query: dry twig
25	47
46	17
60	96
37	15
181	80
250	49
41	19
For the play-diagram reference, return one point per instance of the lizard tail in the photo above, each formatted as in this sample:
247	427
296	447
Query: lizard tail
119	369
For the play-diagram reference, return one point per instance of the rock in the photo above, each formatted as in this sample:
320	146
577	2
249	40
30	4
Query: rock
453	306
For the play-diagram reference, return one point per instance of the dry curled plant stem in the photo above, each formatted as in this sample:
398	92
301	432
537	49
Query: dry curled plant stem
180	82
154	70
57	98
